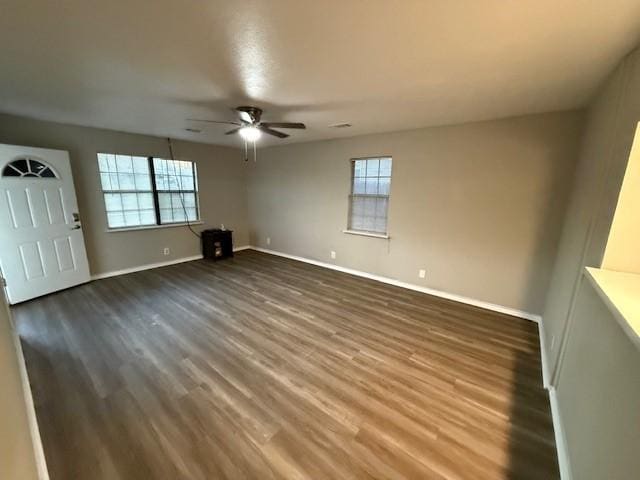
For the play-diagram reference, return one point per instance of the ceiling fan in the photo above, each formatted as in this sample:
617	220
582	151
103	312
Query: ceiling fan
249	126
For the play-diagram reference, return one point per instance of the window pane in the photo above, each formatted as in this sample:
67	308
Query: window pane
373	167
129	201
112	202
172	171
384	184
132	218
380	225
369	223
381	207
179	215
160	166
103	163
124	164
127	181
358	185
143	182
357	222
164	199
145	201
370	207
115	219
371	186
115	183
111	162
357	206
140	165
105	179
385	167
161	182
360	168
120	173
166	215
185	183
192	214
147	217
172	182
177	200
189	199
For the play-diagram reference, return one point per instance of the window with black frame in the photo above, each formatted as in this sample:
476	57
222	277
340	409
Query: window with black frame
146	191
176	185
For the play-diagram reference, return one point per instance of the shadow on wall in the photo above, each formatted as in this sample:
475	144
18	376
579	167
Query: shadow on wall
532	449
545	240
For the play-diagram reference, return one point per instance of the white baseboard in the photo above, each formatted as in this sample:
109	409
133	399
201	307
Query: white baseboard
546	375
149	266
36	440
438	293
561	440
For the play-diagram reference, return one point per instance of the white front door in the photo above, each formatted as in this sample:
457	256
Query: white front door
41	242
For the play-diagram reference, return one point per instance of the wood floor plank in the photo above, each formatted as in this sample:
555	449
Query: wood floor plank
260	367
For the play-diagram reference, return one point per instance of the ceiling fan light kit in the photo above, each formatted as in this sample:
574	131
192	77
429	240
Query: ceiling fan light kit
250	128
250	134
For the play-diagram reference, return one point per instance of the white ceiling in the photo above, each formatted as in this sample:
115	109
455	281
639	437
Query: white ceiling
146	65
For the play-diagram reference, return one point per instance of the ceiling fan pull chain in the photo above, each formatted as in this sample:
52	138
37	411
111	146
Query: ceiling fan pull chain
255	153
246	152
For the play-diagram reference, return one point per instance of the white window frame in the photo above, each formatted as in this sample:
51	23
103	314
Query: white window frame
351	229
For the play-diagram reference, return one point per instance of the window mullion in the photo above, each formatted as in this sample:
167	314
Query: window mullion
154	189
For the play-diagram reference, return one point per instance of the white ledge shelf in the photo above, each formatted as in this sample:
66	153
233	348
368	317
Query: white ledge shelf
620	291
367	234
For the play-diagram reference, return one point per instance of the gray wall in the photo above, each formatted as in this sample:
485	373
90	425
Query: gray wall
598	394
222	184
611	125
594	362
479	206
17	456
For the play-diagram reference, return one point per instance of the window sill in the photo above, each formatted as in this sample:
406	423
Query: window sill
620	292
153	227
367	234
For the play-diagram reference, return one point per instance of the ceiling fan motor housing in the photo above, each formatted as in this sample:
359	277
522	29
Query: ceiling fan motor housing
254	113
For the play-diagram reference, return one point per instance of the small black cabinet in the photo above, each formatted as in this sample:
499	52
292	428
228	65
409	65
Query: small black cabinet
217	244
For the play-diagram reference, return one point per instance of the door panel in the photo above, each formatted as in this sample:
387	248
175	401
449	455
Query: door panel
19	208
53	202
64	254
41	246
31	260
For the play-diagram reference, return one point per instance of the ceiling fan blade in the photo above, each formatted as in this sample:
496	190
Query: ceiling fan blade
212	121
275	133
233	130
283	125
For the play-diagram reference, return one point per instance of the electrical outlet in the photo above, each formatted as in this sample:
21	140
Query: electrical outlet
268	240
333	254
422	273
166	250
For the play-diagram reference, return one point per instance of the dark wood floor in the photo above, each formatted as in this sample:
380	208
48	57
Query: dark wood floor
261	367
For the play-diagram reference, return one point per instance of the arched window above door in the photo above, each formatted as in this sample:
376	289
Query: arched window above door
28	167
